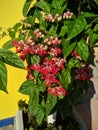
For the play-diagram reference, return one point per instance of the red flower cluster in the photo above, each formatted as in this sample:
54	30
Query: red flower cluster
51	60
58	91
83	73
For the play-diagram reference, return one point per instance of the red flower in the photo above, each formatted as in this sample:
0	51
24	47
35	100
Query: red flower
36	66
51	79
58	91
83	73
74	53
41	52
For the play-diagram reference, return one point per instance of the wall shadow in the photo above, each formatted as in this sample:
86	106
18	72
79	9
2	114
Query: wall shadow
83	107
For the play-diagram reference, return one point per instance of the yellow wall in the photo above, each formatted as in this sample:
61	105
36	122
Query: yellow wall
10	13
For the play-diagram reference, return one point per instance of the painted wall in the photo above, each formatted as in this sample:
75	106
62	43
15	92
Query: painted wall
10	13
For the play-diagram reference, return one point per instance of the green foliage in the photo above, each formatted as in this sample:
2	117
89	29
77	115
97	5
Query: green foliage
78	35
3	77
78	26
27	87
8	44
10	58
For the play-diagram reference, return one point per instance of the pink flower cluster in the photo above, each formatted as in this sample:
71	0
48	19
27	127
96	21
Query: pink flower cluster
51	60
83	73
58	17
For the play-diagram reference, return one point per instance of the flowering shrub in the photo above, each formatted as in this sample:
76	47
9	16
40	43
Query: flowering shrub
56	39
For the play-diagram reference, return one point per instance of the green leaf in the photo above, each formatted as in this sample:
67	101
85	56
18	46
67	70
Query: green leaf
96	1
53	30
9	57
8	44
37	14
68	49
41	85
73	63
51	102
40	113
34	105
17	26
35	73
21	36
26	7
44	6
83	50
91	57
35	59
27	87
89	15
34	98
65	78
93	39
96	28
57	4
77	28
63	31
12	34
3	77
43	104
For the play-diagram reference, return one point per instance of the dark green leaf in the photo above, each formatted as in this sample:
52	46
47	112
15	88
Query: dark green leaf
9	57
77	28
68	49
27	87
91	57
3	77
